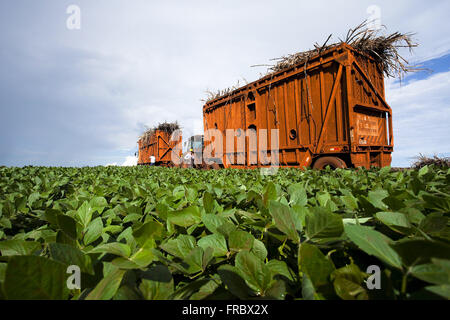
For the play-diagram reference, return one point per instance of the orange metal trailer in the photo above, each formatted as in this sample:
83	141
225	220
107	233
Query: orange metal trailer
159	145
329	111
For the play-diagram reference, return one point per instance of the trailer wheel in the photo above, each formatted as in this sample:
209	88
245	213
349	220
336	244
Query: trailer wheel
333	162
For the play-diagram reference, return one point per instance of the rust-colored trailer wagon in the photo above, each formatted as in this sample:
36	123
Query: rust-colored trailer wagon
330	110
158	143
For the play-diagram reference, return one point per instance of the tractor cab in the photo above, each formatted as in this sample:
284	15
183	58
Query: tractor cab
194	144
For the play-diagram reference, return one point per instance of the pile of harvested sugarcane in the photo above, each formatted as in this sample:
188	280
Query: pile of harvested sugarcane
436	161
211	95
169	127
384	49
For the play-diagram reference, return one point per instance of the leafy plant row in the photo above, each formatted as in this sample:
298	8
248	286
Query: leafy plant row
156	233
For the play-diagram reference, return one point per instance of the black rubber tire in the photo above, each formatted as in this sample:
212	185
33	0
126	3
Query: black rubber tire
333	162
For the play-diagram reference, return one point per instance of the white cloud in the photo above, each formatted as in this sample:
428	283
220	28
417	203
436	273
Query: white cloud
130	162
114	164
421	117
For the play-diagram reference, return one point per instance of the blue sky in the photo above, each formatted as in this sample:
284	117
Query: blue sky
82	97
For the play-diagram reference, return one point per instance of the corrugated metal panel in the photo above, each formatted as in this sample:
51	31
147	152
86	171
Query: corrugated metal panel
159	146
341	94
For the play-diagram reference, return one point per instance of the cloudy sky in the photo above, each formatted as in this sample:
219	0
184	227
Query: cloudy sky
76	97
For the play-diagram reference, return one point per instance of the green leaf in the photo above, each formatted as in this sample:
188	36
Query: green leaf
285	220
124	263
349	290
277	291
84	214
35	278
186	217
113	229
179	247
217	242
68	225
278	267
414	215
132	218
208	256
376	198
435	273
154	290
395	220
184	292
298	195
350	202
194	261
442	290
433	223
444	264
143	257
108	286
349	284
62	237
149	230
2	274
5	223
171	246
69	256
323	198
212	222
356	221
417	251
259	250
235	283
208	202
118	249
373	243
270	193
240	240
308	290
185	244
98	204
125	292
157	283
206	292
18	247
322	224
226	229
93	231
423	171
140	259
316	266
254	271
439	203
51	216
33	198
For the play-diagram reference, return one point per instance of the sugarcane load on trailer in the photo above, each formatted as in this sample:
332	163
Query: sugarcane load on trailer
158	146
327	107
